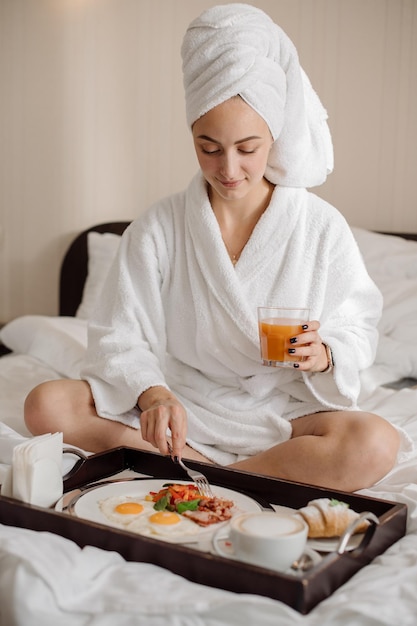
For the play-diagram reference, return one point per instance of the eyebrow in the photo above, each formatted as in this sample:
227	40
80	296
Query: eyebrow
207	138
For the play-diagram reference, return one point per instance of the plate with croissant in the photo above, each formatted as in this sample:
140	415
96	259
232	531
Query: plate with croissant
327	520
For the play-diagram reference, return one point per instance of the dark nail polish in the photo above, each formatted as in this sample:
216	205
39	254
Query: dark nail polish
293	340
296	365
291	351
304	326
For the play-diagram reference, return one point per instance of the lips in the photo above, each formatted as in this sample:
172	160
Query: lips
230	184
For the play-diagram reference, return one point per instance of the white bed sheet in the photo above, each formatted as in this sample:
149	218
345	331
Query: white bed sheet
45	579
53	579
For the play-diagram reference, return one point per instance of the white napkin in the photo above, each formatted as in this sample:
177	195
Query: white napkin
9	439
35	475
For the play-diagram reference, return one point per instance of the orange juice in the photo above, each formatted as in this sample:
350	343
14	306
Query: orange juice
275	337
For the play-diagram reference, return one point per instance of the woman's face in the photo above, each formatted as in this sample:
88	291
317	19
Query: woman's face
232	143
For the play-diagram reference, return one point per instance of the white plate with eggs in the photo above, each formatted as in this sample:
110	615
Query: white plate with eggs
137	514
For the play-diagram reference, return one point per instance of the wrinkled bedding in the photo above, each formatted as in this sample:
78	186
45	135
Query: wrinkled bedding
45	579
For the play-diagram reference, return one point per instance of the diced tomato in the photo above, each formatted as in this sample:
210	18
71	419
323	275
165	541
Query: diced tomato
176	493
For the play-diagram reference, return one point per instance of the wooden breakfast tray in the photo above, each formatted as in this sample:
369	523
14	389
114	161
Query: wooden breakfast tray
301	591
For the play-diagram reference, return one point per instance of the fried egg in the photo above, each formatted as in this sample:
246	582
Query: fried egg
122	510
137	515
166	524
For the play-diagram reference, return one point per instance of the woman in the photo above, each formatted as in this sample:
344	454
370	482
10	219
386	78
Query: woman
173	347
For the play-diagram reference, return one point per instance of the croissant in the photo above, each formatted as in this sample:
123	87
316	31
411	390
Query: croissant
329	518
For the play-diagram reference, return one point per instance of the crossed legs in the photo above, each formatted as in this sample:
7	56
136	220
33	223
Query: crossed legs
341	450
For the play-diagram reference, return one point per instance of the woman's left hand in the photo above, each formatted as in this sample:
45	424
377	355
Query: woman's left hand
310	346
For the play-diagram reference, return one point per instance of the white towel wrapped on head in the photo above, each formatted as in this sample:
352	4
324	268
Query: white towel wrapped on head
236	49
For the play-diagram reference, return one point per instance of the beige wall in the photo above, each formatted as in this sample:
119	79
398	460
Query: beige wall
92	124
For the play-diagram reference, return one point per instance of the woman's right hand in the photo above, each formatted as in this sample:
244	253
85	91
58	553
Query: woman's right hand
162	410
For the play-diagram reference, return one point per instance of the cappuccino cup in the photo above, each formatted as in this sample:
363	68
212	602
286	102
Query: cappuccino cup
269	539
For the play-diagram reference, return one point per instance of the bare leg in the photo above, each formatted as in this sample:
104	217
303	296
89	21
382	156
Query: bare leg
67	406
340	450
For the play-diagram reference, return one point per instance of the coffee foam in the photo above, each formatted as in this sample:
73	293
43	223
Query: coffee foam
273	525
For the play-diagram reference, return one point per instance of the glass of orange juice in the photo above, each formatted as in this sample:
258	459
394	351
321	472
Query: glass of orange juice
276	327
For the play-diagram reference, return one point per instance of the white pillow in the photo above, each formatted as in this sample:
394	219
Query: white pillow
387	257
102	249
59	342
392	263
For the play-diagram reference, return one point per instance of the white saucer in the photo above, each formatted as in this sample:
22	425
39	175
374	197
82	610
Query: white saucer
331	544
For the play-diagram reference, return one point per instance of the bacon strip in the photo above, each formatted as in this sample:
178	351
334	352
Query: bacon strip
211	511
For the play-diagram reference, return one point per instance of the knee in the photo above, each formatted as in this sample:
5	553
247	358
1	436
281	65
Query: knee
384	442
37	408
379	443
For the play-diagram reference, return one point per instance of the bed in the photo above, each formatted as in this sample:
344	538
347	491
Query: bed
47	579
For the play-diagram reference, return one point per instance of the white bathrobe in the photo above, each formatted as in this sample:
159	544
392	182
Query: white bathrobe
176	312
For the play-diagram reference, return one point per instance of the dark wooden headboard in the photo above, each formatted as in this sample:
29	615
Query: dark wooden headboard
74	267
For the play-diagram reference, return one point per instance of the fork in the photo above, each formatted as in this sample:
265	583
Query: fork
198	478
